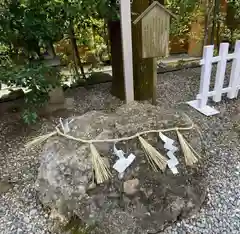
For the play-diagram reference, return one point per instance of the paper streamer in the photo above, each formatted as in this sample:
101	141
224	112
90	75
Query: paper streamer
122	163
173	161
64	123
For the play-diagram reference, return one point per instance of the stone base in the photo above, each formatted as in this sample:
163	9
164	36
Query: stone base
49	108
206	110
56	96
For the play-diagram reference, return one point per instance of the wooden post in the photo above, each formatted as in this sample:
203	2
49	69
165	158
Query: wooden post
77	59
114	28
126	26
154	94
142	68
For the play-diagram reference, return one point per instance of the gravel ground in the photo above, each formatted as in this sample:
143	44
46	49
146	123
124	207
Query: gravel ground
20	211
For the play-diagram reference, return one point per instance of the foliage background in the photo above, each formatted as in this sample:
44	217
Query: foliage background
77	31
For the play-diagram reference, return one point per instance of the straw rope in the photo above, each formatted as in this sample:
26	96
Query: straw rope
155	159
123	138
40	139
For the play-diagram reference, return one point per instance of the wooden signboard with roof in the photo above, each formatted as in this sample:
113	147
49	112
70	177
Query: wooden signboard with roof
155	30
155	23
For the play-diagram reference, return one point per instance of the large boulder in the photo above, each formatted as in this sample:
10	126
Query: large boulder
143	201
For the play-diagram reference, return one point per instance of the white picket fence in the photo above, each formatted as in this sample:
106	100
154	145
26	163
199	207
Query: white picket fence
234	83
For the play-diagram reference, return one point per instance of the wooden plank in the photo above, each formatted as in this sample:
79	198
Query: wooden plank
213	93
126	26
231	56
218	58
235	73
221	69
155	27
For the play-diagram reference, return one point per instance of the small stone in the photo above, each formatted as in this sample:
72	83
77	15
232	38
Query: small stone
19	231
55	215
92	186
147	191
33	212
4	187
26	219
130	186
69	103
56	96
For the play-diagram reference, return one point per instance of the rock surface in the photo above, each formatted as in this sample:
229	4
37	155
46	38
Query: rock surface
12	95
143	201
130	186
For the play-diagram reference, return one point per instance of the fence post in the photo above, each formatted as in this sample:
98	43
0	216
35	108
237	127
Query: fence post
235	73
200	103
205	75
221	69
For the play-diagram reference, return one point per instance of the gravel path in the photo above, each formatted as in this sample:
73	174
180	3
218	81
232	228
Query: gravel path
20	211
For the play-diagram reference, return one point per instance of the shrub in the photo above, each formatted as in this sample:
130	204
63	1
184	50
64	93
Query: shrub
36	78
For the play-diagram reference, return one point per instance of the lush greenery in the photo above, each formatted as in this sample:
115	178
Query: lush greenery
184	10
36	78
30	29
223	26
29	24
236	5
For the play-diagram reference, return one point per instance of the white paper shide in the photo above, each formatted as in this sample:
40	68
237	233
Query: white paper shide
123	162
173	161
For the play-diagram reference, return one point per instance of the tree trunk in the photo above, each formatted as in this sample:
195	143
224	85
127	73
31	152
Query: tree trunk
142	68
106	38
208	12
114	28
77	60
74	56
206	24
218	39
50	49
